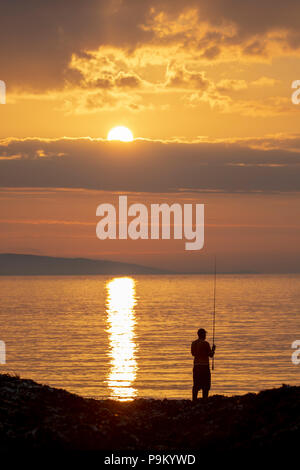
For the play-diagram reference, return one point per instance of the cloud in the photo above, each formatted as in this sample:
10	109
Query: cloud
109	79
177	76
231	85
38	39
265	82
152	166
217	99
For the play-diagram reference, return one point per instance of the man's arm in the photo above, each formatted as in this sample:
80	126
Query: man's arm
211	352
193	349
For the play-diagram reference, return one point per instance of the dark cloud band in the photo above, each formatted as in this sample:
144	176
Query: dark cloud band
149	166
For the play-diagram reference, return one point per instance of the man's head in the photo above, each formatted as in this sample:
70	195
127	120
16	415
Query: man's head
201	333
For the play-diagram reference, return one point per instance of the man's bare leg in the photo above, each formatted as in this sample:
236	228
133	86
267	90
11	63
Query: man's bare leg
195	393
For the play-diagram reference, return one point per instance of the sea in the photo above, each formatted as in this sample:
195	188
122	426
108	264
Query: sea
124	337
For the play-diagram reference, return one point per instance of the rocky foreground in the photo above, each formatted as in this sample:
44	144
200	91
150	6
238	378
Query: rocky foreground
34	416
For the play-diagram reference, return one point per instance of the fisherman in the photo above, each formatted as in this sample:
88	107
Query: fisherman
201	351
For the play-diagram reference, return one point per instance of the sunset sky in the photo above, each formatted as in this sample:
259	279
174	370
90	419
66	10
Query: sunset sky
205	88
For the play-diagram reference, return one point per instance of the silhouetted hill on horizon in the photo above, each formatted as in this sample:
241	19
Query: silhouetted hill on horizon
12	264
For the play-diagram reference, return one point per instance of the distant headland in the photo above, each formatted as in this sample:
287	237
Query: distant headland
12	264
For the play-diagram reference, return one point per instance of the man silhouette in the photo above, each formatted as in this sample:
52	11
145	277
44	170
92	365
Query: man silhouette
201	351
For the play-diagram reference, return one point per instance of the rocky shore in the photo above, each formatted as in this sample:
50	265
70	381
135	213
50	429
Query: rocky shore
34	416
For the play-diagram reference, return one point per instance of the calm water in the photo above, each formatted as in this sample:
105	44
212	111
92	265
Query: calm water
130	336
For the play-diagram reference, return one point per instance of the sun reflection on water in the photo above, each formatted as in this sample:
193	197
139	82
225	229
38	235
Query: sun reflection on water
120	302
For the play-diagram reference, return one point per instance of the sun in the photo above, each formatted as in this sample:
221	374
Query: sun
120	133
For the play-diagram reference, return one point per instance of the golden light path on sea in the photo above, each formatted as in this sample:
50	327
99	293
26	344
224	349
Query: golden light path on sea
120	302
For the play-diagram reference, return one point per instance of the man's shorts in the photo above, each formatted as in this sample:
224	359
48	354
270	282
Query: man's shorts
201	376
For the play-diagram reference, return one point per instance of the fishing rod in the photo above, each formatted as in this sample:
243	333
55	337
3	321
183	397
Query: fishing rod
214	313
